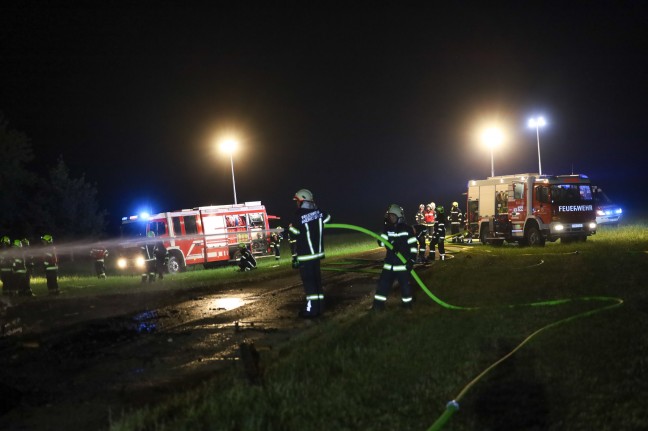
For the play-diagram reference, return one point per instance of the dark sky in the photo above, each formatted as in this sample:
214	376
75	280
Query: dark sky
365	105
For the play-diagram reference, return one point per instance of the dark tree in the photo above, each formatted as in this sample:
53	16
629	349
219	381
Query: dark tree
17	183
71	206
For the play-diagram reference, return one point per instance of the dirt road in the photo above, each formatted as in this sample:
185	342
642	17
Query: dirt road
81	361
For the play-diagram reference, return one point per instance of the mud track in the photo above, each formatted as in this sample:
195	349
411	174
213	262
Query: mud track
80	362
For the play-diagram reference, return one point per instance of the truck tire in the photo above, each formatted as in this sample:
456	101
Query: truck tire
175	265
533	237
483	234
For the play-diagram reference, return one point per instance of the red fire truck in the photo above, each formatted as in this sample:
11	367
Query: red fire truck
531	209
202	235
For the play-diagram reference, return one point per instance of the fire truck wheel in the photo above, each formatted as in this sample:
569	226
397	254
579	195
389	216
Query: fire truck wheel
533	237
174	265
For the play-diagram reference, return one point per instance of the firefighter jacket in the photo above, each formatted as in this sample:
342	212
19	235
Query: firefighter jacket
99	254
455	216
308	228
440	226
420	217
403	239
49	258
429	217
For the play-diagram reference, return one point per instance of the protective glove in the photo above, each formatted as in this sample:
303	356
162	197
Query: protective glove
295	262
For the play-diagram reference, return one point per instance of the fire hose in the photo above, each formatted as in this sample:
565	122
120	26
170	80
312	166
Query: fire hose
453	405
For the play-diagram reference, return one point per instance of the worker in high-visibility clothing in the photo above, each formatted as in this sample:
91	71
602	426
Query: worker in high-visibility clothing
50	264
308	227
421	232
456	221
401	236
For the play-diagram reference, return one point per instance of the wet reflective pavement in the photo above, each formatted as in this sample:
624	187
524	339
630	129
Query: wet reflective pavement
81	361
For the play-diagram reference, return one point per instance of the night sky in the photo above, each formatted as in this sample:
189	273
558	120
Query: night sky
365	105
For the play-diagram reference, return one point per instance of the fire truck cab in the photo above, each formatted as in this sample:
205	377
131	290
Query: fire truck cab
531	209
204	235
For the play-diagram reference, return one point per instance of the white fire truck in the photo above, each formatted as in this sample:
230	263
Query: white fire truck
202	235
531	209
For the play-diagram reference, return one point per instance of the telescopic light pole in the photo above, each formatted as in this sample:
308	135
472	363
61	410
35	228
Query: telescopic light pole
537	123
229	146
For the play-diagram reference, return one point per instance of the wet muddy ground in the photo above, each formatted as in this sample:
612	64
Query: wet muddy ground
75	363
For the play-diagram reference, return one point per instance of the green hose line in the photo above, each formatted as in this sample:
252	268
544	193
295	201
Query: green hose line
453	405
402	259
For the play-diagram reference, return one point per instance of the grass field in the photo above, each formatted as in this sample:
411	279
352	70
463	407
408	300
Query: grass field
587	369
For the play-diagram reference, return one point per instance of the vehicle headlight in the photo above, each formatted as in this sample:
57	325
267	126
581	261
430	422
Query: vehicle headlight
592	226
618	211
559	227
600	212
122	263
139	262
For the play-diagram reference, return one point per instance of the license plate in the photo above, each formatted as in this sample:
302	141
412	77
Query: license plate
577	225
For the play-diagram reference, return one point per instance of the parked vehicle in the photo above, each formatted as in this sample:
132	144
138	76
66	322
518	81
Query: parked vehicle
607	212
531	209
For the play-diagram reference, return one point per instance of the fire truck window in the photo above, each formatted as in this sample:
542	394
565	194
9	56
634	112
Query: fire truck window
158	228
190	225
585	193
542	194
518	191
176	226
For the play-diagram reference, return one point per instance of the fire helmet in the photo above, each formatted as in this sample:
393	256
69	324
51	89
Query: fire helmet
455	204
150	234
5	240
47	238
242	245
440	209
432	205
303	195
25	242
17	243
394	214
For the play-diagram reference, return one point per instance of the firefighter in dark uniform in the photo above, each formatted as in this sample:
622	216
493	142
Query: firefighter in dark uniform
99	254
421	231
19	271
456	221
401	236
275	243
161	257
50	264
440	230
247	262
308	227
6	264
149	259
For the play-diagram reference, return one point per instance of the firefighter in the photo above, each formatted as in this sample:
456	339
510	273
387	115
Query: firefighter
148	272
440	230
430	214
50	264
19	272
99	254
308	227
161	257
247	262
421	231
6	266
30	264
401	236
275	243
456	221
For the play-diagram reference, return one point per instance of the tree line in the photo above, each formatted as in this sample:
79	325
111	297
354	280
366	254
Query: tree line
33	204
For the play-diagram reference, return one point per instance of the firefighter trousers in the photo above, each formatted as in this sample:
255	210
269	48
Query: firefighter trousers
311	276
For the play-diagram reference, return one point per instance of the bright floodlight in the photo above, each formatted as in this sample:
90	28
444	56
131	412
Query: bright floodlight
536	123
228	145
492	137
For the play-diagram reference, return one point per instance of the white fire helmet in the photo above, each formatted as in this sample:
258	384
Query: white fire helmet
395	214
303	195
